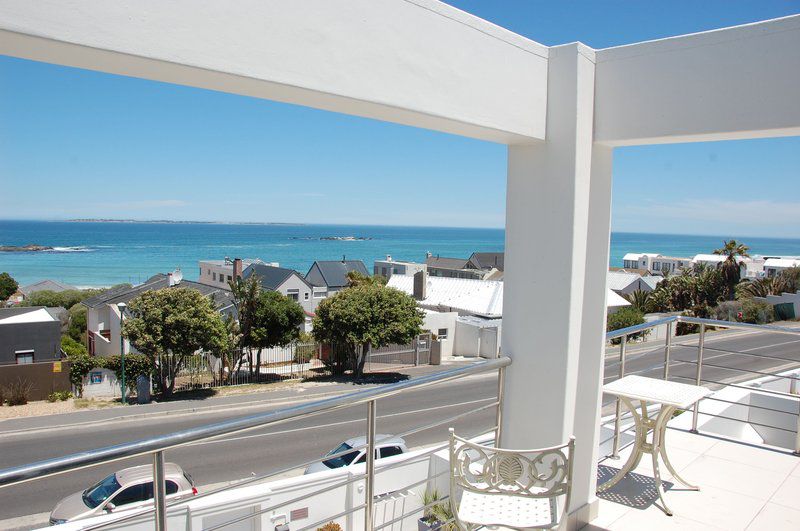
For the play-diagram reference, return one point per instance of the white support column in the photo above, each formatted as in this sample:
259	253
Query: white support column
550	208
592	350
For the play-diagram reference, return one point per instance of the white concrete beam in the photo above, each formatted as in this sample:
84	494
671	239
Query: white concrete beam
414	62
740	82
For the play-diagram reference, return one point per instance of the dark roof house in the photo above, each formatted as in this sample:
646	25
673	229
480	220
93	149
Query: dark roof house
444	262
271	277
45	285
487	261
29	335
222	298
333	273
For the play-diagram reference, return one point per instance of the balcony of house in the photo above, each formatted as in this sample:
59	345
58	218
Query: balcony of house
738	447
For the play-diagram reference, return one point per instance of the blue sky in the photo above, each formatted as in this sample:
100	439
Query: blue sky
75	143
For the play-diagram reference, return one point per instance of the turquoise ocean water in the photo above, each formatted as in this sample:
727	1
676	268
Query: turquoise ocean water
102	254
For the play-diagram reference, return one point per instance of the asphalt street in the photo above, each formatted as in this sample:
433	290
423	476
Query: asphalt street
290	444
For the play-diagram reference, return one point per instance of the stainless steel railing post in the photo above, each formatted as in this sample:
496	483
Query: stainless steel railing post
501	378
797	435
667	351
369	490
615	450
701	342
159	495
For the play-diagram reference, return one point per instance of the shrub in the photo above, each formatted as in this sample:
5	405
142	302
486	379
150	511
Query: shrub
18	392
623	318
59	396
135	365
79	367
728	311
71	347
330	526
757	312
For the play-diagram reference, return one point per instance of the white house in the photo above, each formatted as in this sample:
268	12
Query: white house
773	266
388	267
654	262
220	272
623	282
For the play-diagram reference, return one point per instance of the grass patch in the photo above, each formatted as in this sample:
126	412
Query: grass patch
84	403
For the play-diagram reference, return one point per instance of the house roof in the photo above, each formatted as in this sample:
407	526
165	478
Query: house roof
652	281
782	262
334	272
488	260
711	258
271	277
632	256
32	314
619	280
479	297
221	298
615	301
45	285
446	263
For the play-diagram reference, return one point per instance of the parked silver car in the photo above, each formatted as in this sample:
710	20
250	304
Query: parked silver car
387	446
130	488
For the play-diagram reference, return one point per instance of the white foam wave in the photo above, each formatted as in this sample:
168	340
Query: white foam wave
77	249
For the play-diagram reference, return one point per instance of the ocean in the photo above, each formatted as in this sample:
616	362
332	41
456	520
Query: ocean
103	254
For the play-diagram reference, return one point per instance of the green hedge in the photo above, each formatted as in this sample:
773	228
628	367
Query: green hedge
135	365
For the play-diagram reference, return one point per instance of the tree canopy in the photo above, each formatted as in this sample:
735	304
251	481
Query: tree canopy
365	316
8	286
171	324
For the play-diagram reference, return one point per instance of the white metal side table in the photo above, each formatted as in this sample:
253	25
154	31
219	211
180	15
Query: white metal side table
671	396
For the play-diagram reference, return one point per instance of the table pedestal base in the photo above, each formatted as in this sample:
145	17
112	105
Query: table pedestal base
645	425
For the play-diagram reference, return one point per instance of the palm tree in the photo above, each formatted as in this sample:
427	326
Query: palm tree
639	299
732	266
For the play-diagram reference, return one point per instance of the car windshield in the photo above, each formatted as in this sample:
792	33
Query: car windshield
94	496
342	460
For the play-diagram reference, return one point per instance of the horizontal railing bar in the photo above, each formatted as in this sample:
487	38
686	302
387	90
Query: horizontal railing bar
746	387
58	465
614	334
762	373
747	422
761	356
713	398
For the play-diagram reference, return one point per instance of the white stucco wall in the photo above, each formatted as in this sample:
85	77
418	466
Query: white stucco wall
436	320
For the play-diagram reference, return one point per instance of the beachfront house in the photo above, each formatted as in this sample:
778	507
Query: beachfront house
656	264
103	318
387	268
330	276
774	266
287	282
220	272
479	266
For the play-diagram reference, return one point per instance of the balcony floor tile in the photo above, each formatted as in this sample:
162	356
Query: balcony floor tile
775	517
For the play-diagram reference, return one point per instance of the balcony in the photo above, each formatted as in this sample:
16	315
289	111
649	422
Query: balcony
745	482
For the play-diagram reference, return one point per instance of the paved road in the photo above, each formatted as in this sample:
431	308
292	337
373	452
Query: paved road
270	450
259	451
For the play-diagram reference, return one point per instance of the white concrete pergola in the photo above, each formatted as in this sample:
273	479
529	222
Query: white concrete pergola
560	110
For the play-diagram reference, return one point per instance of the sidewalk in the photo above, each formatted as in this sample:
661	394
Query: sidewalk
300	391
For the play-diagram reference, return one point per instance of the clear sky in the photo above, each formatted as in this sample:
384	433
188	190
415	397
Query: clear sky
75	143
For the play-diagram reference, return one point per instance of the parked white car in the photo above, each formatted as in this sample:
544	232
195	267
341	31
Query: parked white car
130	488
387	446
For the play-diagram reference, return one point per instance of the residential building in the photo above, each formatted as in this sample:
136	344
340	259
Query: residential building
29	335
773	266
24	292
751	267
623	282
332	274
479	266
220	272
656	264
387	268
103	320
290	283
465	296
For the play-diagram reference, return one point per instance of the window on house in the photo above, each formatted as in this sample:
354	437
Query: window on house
229	278
24	357
293	294
442	333
214	276
305	295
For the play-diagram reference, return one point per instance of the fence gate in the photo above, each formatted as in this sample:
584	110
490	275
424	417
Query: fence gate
418	352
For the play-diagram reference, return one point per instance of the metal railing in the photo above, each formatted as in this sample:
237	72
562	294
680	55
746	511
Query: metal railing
700	363
155	446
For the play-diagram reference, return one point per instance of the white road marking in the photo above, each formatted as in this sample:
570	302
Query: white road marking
318	426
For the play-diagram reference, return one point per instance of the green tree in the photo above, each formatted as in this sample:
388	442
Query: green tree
624	318
8	286
354	278
77	322
732	266
366	316
171	324
640	300
276	322
246	293
72	348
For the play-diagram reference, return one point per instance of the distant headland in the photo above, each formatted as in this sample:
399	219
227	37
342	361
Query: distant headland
177	221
